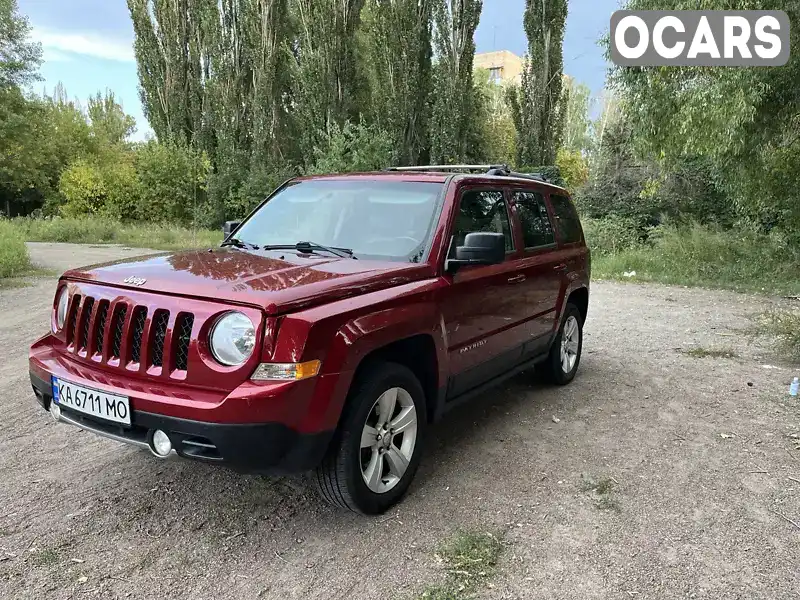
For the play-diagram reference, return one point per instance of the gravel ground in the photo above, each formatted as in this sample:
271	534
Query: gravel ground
690	458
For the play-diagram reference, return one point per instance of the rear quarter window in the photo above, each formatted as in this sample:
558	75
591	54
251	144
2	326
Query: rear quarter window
567	221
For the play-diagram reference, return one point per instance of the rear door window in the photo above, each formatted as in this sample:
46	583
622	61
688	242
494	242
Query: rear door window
537	230
482	211
567	221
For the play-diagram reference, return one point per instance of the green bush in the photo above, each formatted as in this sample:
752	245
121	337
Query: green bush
14	259
83	189
172	182
353	148
639	187
573	168
259	184
123	188
551	173
709	256
785	326
612	234
104	230
155	183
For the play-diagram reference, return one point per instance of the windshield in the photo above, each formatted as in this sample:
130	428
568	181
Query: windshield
375	219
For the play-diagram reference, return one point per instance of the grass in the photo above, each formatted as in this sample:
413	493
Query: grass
701	352
14	259
702	256
470	560
47	557
97	230
784	325
602	491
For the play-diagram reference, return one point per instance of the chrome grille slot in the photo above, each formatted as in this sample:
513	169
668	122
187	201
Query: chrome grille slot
100	325
159	334
73	318
137	330
117	328
86	317
183	328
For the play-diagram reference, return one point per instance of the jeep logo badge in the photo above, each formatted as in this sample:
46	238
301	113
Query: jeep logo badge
135	280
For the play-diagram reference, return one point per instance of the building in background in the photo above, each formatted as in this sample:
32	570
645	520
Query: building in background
503	66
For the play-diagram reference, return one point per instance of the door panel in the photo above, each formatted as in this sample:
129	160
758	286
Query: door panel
480	310
540	293
542	267
483	338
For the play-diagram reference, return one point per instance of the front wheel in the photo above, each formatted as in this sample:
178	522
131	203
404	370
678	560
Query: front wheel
565	354
375	455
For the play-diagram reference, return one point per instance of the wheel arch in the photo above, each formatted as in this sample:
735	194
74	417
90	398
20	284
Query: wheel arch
580	298
418	353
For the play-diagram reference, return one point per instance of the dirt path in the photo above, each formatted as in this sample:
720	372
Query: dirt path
697	455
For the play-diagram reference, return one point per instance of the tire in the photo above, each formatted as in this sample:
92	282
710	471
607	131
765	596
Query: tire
390	463
555	368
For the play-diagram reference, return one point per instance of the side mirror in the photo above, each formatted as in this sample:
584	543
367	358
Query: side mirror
479	249
229	227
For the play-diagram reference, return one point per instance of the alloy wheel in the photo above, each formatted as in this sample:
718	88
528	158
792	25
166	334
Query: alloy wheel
388	440
570	344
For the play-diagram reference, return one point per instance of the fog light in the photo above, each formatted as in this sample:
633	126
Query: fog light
161	444
55	411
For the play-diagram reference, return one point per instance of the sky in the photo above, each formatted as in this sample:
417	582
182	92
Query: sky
87	44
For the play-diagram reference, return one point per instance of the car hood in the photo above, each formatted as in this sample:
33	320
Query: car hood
274	281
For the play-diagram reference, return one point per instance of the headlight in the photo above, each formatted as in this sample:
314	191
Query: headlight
233	339
61	308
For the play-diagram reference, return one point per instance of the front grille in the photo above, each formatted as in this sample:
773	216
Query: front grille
137	330
131	338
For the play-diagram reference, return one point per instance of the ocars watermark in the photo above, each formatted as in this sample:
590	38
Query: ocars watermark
713	38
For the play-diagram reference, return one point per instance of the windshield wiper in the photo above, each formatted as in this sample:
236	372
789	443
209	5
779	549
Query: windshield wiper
305	247
313	246
237	243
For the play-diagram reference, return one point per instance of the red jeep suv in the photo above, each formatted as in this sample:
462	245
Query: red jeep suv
332	326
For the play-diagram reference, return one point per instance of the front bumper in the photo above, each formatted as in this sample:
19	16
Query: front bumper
270	448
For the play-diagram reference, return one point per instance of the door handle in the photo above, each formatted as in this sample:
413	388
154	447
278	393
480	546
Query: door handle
517	279
560	268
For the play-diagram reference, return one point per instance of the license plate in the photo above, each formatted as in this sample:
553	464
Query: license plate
96	403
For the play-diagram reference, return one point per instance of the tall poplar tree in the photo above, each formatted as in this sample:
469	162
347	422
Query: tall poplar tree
213	74
20	119
324	87
396	41
455	122
537	104
168	62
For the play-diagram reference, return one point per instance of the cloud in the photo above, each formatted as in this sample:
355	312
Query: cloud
52	55
57	45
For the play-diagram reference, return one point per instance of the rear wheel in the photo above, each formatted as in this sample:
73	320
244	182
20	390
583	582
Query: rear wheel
377	450
562	362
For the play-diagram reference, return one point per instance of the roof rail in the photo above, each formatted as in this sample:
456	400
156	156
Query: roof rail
483	168
533	176
494	170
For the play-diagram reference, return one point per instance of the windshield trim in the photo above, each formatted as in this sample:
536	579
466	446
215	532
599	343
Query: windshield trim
429	235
